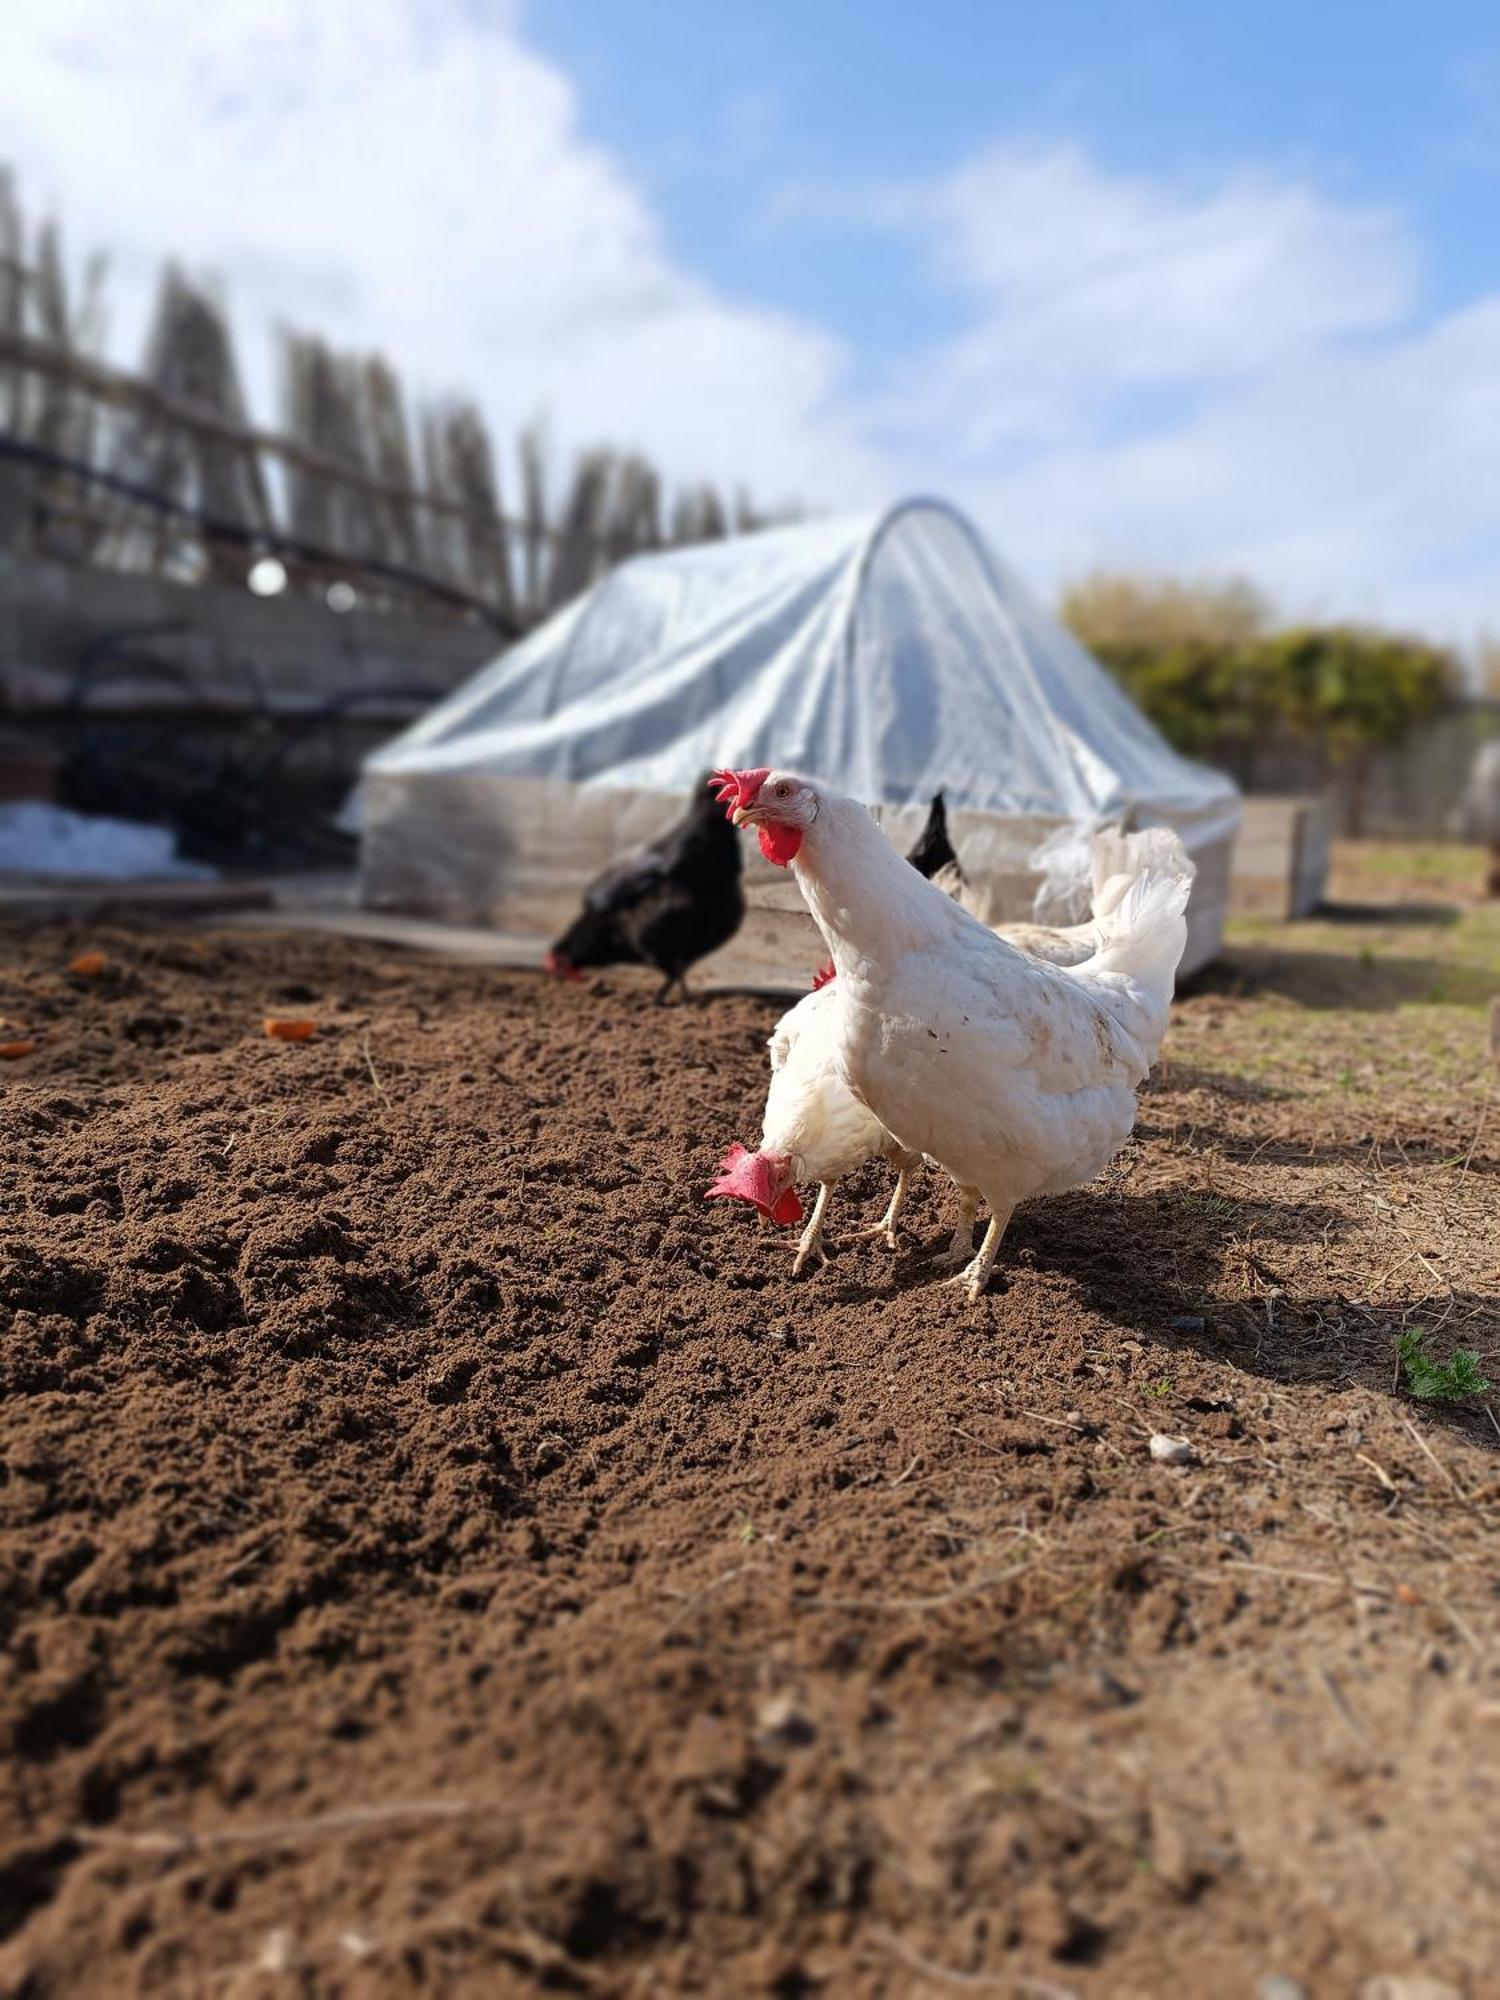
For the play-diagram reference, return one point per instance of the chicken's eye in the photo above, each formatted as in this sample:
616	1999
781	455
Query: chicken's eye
783	791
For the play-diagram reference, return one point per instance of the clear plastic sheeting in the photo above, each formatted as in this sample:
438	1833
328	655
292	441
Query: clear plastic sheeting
1065	861
893	655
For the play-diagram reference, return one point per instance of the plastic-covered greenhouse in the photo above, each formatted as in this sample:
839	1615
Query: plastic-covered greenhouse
892	655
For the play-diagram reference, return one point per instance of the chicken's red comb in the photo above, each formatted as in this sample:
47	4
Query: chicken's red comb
738	788
562	968
748	1177
822	976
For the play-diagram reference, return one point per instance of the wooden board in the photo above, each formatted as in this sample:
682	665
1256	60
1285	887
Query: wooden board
90	902
772	953
1281	858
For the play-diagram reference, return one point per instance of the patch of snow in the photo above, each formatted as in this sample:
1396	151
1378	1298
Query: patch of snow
40	839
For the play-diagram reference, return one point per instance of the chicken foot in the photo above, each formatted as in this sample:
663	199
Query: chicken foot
961	1249
810	1243
886	1226
672	979
976	1275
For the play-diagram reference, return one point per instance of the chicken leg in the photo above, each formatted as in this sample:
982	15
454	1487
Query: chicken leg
886	1226
976	1275
961	1248
810	1243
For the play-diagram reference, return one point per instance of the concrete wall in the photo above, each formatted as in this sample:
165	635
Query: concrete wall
234	652
239	721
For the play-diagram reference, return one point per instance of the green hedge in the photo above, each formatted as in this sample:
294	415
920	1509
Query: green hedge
1207	664
1339	689
1343	689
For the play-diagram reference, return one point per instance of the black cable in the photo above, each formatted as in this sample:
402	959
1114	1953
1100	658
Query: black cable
219	529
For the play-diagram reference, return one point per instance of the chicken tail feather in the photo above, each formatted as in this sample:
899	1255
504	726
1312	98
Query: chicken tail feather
1143	933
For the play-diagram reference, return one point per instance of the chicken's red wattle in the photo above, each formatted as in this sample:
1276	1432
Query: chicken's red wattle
779	844
753	1177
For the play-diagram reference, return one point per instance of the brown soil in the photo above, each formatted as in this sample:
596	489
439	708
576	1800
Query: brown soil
443	1555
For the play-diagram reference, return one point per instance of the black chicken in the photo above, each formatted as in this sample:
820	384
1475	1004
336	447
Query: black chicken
667	907
934	850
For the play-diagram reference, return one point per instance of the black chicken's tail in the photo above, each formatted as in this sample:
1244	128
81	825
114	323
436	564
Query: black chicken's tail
934	850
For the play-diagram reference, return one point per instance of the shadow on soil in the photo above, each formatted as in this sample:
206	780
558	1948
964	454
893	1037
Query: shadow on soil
1374	982
1369	1151
1168	1266
1196	1272
1289	1149
1432	916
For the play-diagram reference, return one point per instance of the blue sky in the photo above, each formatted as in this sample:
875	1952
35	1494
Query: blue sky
1167	287
714	105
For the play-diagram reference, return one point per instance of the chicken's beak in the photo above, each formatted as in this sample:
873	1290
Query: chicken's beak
738	816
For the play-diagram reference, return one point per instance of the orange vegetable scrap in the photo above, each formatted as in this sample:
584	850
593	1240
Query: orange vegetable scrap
290	1031
9	1051
89	964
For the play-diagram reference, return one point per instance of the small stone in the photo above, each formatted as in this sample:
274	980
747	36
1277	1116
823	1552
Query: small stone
1275	1987
1187	1323
1170	1450
278	1952
1051	1925
1113	1690
781	1721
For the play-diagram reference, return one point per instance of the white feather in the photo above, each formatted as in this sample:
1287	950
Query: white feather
1019	1077
814	1118
811	1115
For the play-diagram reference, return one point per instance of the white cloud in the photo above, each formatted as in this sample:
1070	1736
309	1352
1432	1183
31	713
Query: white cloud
411	177
1357	483
1194	375
1475	138
1087	286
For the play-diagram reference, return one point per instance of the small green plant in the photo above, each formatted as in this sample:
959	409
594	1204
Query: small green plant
1438	1381
746	1528
1161	1387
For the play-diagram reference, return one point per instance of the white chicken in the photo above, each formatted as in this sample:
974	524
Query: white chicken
815	1129
1016	1076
